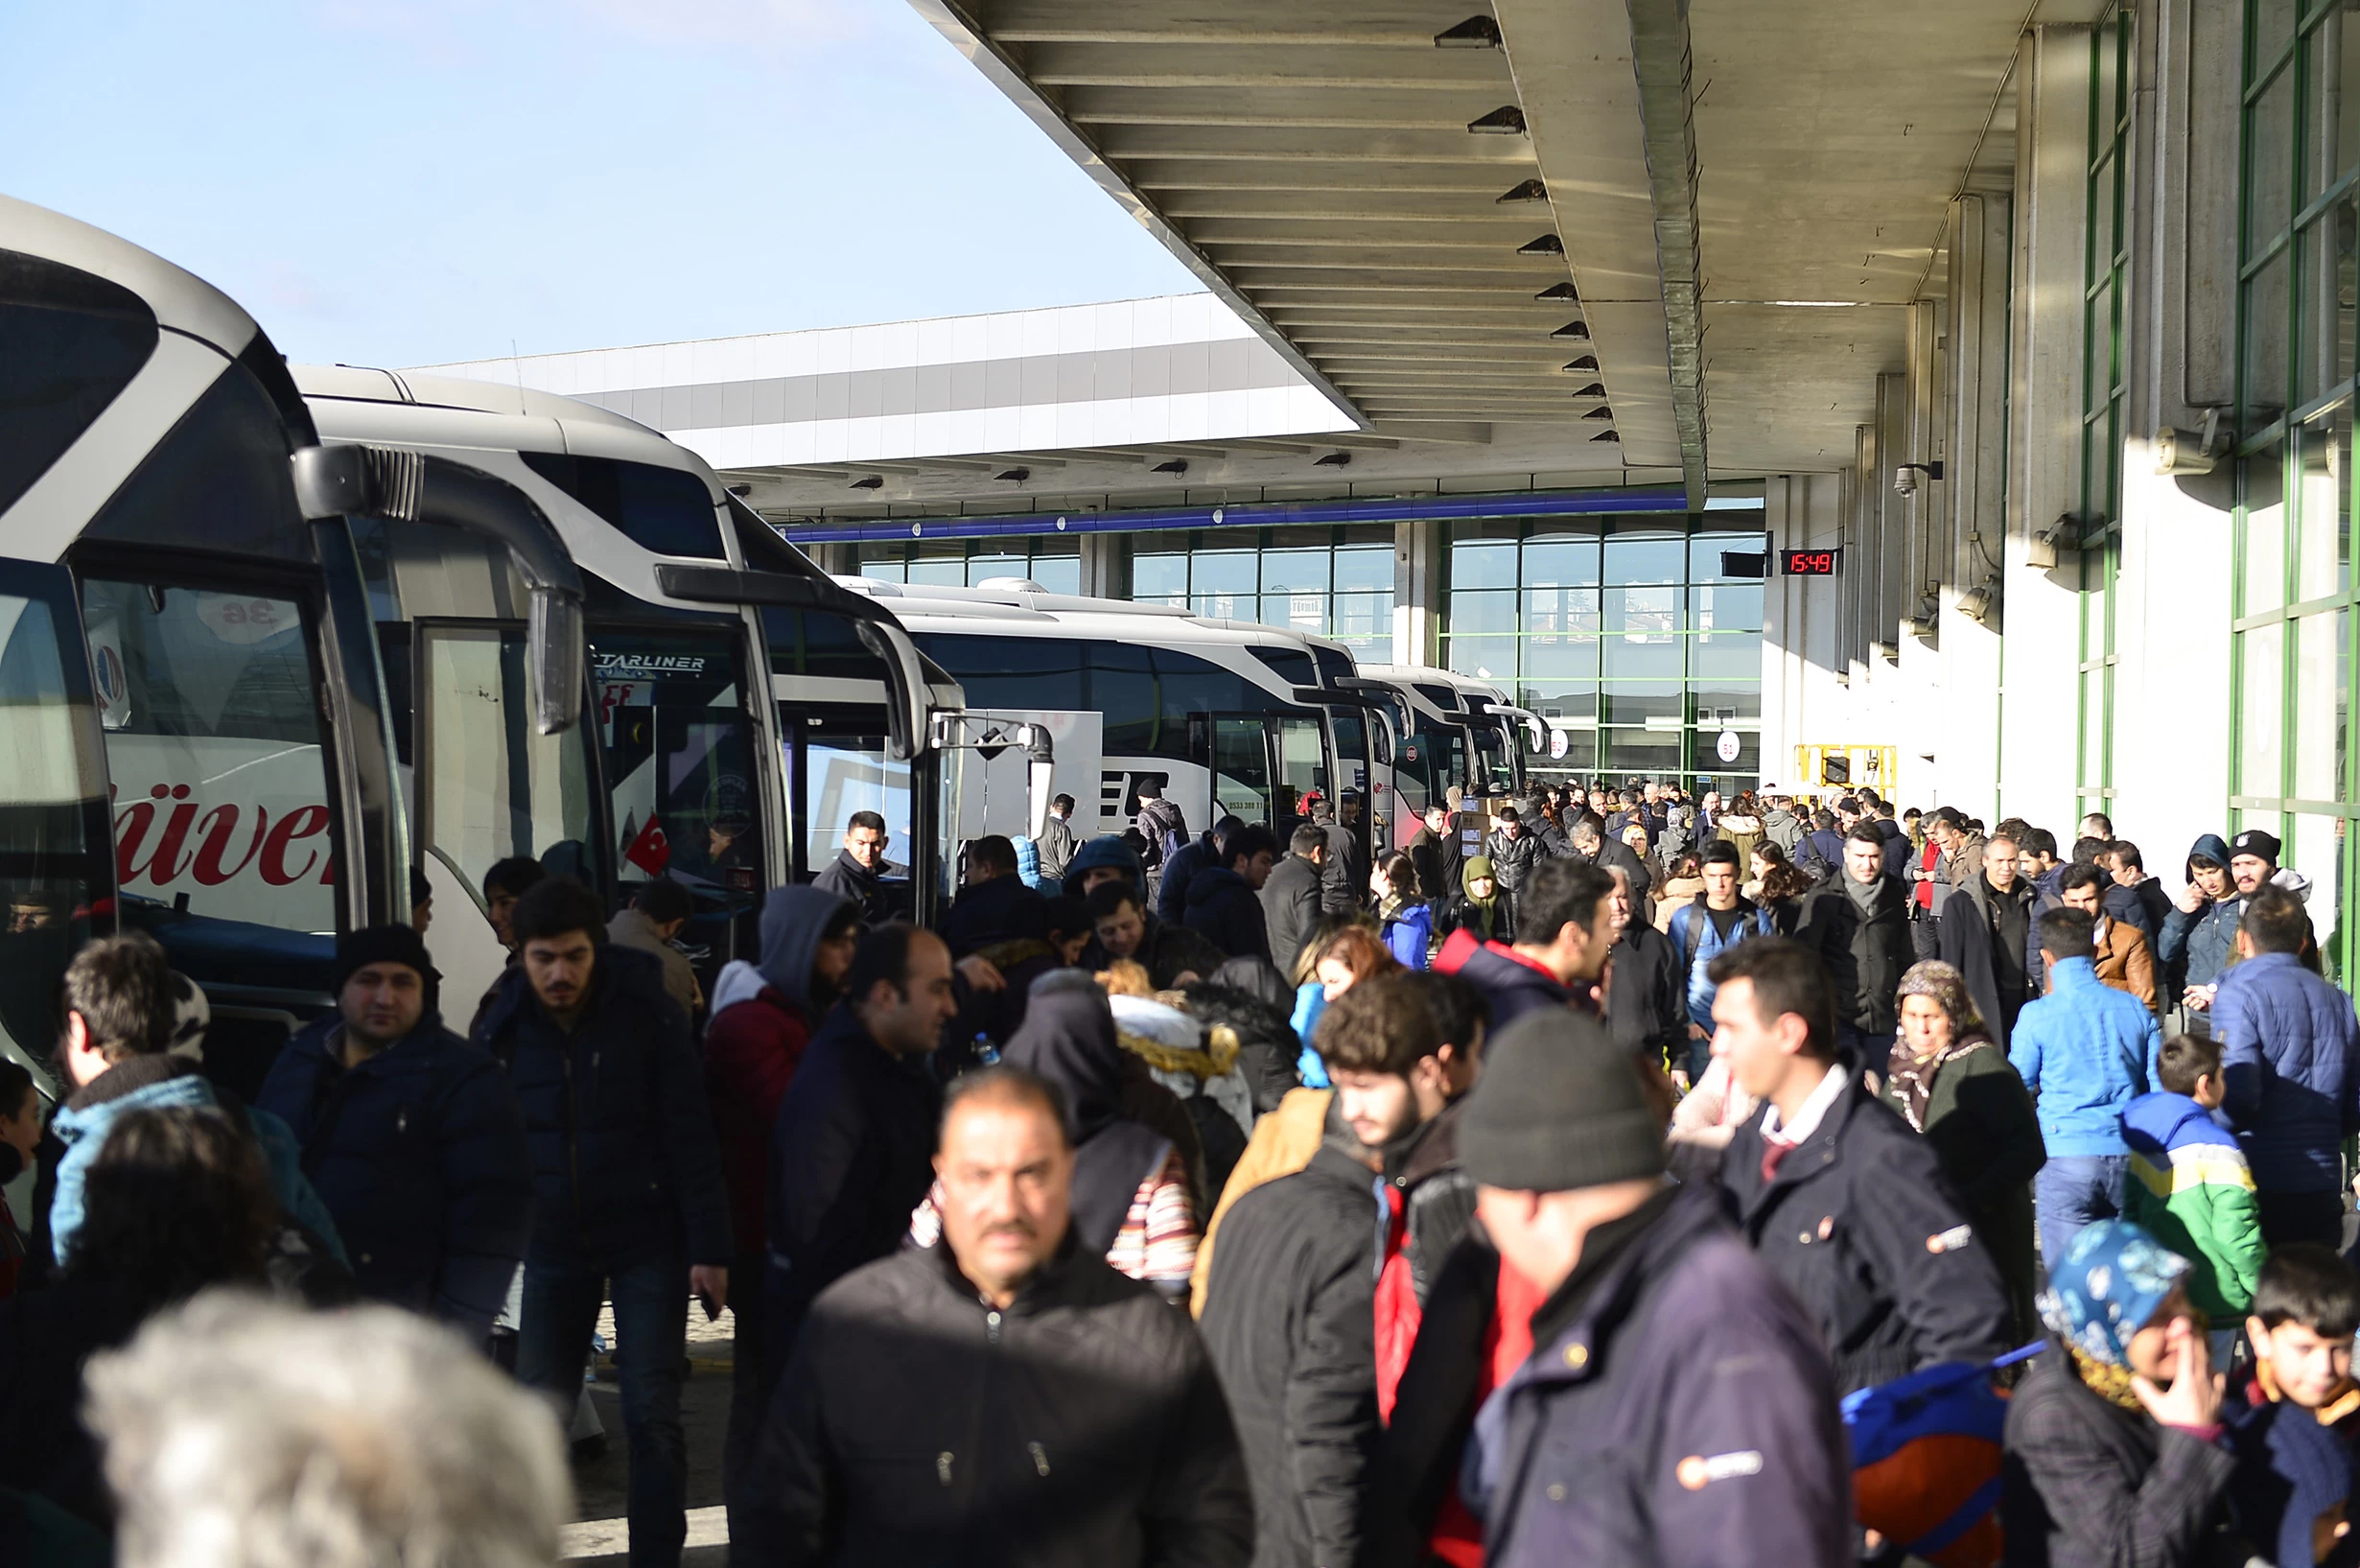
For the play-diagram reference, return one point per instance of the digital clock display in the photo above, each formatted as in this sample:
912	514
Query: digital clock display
1813	563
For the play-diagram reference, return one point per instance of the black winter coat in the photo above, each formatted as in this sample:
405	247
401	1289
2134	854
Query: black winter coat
1613	852
851	1154
1969	942
1647	1004
2087	1482
625	1164
1865	958
1343	880
1436	859
1223	910
1511	987
1172	891
917	1426
1860	1224
1512	859
420	1154
1290	1321
1291	909
1462	910
1000	910
848	879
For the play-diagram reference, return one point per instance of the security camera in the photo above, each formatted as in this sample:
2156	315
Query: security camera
1904	481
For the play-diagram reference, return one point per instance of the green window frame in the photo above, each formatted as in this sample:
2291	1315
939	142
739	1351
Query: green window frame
2293	626
2106	264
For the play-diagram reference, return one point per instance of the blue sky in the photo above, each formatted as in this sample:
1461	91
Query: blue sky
407	181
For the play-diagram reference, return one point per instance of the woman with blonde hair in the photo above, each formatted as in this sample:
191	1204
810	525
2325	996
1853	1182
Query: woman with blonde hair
1331	965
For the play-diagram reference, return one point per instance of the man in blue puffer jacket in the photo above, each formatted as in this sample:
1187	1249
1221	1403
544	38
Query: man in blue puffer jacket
2286	1064
118	1026
411	1137
628	1195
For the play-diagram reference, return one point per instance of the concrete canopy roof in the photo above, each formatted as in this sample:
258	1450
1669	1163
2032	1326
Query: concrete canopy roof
1435	208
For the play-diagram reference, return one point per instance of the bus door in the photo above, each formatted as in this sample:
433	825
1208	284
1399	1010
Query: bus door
683	793
837	762
1304	767
56	874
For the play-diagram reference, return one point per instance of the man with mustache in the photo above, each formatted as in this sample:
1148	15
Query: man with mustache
628	1195
1003	1394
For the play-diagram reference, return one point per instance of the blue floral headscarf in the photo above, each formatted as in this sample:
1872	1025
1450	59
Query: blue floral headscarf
2111	1280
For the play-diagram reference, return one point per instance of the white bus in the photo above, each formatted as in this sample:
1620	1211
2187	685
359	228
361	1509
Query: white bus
1228	717
194	735
692	604
1455	730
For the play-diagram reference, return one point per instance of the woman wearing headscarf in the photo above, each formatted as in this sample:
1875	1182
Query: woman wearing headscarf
1479	907
2110	1452
1951	1083
1131	1200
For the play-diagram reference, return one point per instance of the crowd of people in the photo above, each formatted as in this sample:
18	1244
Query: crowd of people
1606	1177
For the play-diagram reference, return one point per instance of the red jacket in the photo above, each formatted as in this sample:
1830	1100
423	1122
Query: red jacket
751	1052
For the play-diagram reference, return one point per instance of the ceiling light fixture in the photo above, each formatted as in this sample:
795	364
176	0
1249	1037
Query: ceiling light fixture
1599	413
1177	465
1565	292
1596	388
1573	329
1587	361
868	482
1507	120
1333	460
1532	190
1476	32
1020	474
1605	435
1546	245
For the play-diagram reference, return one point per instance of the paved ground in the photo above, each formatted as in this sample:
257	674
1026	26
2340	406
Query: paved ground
602	1483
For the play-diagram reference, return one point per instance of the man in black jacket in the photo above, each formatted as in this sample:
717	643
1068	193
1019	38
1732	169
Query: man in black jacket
1314	1288
1647	1006
1294	898
1171	954
1343	873
412	1137
1839	1199
856	873
1170	902
1002	1393
1610	854
1987	933
849	1153
1857	922
1222	904
1514	852
629	1201
995	906
1433	849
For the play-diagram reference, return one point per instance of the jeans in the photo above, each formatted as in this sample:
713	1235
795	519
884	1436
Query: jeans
651	1328
2070	1191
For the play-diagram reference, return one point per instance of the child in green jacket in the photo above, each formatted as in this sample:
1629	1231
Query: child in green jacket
2190	1186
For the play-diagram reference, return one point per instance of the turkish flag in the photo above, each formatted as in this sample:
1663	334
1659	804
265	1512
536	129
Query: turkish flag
650	851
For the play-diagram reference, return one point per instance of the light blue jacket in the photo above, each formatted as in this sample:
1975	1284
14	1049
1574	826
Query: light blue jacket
83	1132
2085	1052
1699	941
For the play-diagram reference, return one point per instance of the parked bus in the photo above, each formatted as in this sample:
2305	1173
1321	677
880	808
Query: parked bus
1455	731
193	716
1225	717
693	602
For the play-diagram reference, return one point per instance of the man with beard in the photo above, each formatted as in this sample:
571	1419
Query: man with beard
1987	934
1314	1295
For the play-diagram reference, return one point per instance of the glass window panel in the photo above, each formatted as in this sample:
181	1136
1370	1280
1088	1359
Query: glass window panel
1736	607
1302	768
1058	574
1486	611
2262	559
2270	146
1706	550
1648	657
2099	258
1232	606
1366	621
847	772
1634	702
1294	571
981	567
679	750
1653	753
1366	569
1642	612
885	566
2265	341
1234	571
1580	752
1487	658
1645	557
2321	848
2261	717
2322	704
1726	655
1241	768
2339	49
1741	698
2320	315
2323	493
1552	656
1550	563
1160	580
1303	612
939	570
1483	563
1567	700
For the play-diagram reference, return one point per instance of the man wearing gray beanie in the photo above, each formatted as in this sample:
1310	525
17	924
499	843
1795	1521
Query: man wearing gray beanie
1664	1356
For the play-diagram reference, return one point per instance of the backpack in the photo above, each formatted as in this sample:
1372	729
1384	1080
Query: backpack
1926	1460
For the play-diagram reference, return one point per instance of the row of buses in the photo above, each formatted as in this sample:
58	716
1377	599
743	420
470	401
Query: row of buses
281	647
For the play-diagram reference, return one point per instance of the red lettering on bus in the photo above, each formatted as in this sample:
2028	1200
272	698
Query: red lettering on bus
303	822
220	826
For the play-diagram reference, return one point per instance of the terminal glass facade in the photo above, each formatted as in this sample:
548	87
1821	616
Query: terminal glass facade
2291	774
1052	561
2105	265
1637	639
1327	581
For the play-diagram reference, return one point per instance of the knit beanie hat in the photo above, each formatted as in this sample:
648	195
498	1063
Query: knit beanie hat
355	950
1559	1108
